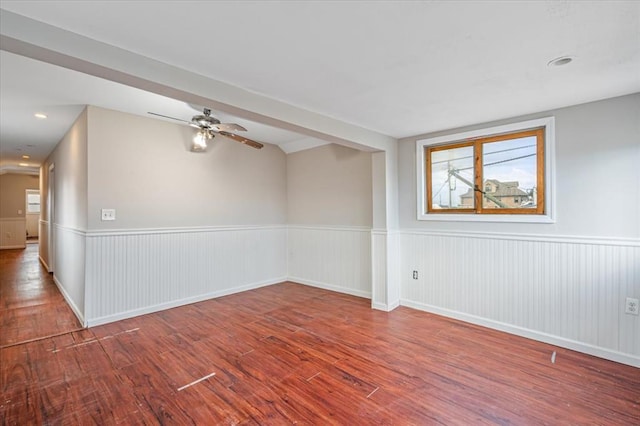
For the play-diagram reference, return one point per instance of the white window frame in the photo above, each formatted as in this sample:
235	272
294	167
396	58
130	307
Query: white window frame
28	204
549	170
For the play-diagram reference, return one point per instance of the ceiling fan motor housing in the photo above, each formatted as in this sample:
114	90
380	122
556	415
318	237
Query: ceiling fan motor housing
205	120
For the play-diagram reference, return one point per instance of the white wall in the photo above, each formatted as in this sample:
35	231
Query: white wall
329	211
189	226
69	223
143	168
565	282
179	245
597	173
329	185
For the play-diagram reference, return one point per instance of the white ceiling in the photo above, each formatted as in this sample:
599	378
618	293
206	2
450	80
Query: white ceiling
398	68
28	86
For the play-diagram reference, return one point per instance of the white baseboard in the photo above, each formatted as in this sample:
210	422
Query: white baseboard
16	246
530	334
337	289
70	302
44	264
380	306
385	307
92	322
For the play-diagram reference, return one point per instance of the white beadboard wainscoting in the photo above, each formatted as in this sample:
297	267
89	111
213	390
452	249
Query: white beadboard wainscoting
567	291
135	272
334	258
13	232
69	267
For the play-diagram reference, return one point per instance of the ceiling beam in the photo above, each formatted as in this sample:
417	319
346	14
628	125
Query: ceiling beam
43	42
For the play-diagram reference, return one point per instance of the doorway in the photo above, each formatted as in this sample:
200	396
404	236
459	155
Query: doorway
32	214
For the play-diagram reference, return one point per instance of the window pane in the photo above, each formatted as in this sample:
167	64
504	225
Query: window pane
452	178
509	174
33	203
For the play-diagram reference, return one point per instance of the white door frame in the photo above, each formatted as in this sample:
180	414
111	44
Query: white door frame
51	216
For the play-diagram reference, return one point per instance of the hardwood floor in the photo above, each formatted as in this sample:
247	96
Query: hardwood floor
289	353
31	305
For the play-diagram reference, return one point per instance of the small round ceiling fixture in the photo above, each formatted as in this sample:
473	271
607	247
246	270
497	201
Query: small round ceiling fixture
23	164
562	60
40	115
26	157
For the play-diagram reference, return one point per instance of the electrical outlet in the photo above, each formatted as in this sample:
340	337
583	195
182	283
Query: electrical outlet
631	306
108	214
415	275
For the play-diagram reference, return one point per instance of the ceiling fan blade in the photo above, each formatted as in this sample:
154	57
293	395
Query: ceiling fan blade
242	139
166	116
230	127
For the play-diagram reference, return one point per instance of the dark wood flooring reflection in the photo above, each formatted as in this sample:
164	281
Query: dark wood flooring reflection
31	305
289	354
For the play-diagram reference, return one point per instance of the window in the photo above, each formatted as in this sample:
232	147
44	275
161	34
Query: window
498	174
33	201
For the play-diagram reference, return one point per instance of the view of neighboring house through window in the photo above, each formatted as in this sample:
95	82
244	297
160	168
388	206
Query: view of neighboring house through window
498	174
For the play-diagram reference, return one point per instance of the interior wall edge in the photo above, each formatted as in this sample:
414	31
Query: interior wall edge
76	310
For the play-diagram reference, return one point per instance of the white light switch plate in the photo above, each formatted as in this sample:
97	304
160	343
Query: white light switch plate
108	214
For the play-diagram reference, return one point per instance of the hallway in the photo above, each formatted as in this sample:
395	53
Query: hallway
31	306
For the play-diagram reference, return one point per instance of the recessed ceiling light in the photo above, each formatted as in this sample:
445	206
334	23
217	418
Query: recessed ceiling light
40	115
23	164
558	62
26	157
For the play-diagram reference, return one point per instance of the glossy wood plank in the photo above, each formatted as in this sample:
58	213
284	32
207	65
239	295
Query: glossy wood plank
298	355
31	306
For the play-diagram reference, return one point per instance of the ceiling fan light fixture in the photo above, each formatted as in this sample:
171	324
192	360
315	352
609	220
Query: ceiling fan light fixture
200	140
209	126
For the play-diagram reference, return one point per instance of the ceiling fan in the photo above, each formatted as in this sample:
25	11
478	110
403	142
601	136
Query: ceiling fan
209	126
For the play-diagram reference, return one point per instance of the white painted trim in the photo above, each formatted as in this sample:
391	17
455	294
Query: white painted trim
70	302
71	229
44	263
181	302
13	247
192	229
384	307
19	170
550	194
325	286
379	306
567	239
177	230
620	357
385	231
331	228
